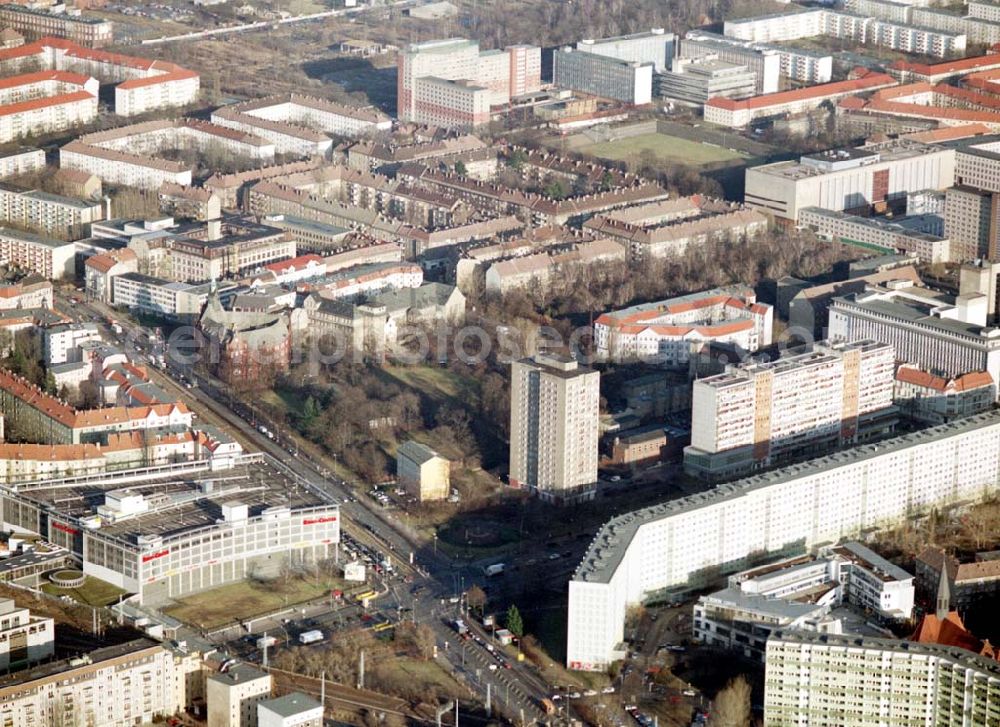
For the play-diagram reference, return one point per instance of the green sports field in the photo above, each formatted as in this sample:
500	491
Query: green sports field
667	148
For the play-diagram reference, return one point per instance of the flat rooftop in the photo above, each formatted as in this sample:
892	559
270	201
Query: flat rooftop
609	546
890	151
919	312
177	504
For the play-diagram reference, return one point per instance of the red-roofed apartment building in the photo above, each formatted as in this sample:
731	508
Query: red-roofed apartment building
740	114
940	399
669	331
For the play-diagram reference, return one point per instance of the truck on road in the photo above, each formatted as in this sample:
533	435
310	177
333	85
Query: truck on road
493	570
311	637
266	642
461	627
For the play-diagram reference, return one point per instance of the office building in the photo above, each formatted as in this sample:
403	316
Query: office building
876	232
802	593
825	680
849	180
760	413
422	472
554	409
603	76
159	298
740	114
292	710
770	62
513	71
945	336
671	332
695	80
34	23
684	543
234	695
654	46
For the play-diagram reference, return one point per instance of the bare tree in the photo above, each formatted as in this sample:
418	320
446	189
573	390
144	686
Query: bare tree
732	704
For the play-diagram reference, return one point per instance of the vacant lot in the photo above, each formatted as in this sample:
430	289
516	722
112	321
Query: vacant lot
238	601
666	148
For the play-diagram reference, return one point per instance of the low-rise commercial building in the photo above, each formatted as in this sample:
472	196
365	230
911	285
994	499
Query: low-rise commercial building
849	180
695	80
876	232
422	472
292	710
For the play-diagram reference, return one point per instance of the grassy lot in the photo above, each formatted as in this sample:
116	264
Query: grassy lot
426	674
435	382
93	592
668	148
245	599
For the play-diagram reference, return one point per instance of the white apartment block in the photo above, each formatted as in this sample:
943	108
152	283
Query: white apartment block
115	686
670	332
277	117
777	28
176	88
368	278
127	155
43	115
984	10
849	179
120	168
801	593
603	76
654	46
232	696
878	232
53	259
450	103
24	639
825	680
48	214
757	414
22	161
893	34
926	330
682	542
157	297
554	410
513	71
60	343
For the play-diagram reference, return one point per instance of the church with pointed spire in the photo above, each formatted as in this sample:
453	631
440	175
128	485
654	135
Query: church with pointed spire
946	627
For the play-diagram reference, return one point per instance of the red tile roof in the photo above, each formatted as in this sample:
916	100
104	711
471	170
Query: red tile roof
962	65
949	133
966	382
41	103
824	90
299	262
